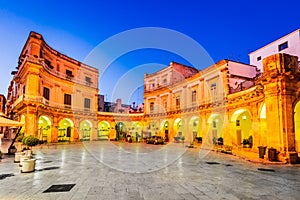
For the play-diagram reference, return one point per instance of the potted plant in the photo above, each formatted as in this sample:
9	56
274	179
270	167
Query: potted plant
199	139
220	141
27	163
1	154
30	141
246	143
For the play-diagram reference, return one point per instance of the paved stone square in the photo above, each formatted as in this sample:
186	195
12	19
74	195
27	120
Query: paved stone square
112	170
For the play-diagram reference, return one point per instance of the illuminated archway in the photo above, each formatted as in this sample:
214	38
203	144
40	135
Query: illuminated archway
153	128
65	130
262	139
165	126
136	131
215	125
178	128
121	130
242	125
85	130
44	129
103	130
195	127
297	126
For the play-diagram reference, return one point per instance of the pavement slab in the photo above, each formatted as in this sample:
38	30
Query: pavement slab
112	170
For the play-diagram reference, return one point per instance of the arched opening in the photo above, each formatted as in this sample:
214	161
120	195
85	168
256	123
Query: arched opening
195	128
242	125
44	129
165	129
121	130
262	139
65	130
153	129
178	130
297	126
103	130
85	130
215	124
136	131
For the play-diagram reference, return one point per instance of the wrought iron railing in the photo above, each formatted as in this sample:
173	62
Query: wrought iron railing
42	100
52	71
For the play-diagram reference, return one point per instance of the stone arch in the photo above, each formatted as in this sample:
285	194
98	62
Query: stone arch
178	127
241	122
195	127
65	130
85	129
137	131
103	130
262	139
44	129
165	129
215	125
153	128
121	130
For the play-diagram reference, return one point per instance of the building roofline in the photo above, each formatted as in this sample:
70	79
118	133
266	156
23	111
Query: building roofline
168	67
61	55
228	60
269	44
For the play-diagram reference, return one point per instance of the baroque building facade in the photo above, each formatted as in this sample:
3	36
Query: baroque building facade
57	98
55	95
229	100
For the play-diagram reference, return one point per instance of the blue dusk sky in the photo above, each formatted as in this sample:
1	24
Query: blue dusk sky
225	29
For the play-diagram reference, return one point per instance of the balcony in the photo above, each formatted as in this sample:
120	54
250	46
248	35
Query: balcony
50	69
192	107
41	100
157	87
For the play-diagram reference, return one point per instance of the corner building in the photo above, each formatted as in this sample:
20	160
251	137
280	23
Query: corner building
228	100
55	95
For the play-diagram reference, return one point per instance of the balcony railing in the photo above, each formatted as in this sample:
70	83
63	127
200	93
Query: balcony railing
42	100
52	71
220	99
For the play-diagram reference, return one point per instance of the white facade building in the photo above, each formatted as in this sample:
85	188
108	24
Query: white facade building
289	44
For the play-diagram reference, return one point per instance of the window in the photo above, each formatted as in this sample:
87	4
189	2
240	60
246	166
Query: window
258	58
88	81
165	105
152	86
237	122
177	101
67	99
87	103
165	81
282	46
48	63
46	93
69	72
24	89
213	91
151	107
69	75
194	93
